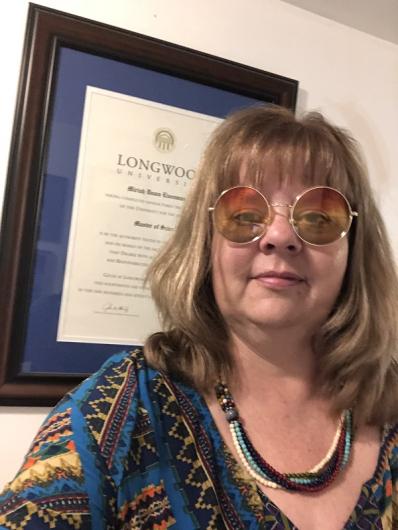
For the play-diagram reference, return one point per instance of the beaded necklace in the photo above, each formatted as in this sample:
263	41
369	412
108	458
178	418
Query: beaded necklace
316	479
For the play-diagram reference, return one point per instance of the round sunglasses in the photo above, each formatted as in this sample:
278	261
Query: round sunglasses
319	216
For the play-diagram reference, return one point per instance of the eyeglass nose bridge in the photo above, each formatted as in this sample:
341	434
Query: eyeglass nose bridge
282	205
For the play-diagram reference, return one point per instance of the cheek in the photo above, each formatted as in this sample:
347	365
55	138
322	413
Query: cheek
330	268
340	259
230	267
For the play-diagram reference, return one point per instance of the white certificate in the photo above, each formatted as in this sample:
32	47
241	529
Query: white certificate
137	159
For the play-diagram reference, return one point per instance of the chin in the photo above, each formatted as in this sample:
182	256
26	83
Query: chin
276	321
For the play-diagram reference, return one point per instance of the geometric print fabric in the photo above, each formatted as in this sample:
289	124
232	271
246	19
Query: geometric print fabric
133	449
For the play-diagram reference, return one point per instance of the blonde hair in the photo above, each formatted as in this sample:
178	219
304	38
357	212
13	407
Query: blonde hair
357	344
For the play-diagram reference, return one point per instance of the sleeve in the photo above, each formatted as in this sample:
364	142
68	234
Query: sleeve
388	489
67	480
56	486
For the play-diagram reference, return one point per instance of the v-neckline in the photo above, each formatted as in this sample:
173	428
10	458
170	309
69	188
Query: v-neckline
238	482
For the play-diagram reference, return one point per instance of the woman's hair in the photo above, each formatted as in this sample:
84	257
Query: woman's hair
357	345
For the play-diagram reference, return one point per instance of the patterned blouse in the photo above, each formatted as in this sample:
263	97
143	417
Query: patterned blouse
133	449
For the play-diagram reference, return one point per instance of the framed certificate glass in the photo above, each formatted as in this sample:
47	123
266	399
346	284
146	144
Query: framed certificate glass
108	129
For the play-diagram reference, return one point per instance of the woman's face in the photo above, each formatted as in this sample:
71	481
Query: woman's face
277	281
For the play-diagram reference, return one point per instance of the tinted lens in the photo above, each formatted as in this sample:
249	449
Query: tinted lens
241	214
321	216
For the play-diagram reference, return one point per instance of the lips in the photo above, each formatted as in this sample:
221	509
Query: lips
279	279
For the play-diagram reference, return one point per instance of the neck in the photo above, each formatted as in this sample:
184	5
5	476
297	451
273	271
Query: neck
277	364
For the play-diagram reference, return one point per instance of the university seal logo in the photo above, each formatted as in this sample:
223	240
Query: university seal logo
164	140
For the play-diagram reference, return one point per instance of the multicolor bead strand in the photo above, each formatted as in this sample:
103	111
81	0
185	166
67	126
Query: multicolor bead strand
308	481
316	479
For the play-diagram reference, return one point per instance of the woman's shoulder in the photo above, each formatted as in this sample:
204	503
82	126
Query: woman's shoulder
386	475
385	487
95	420
113	386
389	449
115	370
107	402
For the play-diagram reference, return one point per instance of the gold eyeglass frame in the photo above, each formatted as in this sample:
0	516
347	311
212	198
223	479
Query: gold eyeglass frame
291	207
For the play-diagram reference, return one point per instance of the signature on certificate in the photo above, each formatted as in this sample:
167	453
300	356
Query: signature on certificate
109	307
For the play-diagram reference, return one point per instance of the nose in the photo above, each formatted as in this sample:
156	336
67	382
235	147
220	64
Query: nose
280	235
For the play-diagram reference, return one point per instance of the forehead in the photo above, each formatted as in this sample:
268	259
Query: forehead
275	192
286	170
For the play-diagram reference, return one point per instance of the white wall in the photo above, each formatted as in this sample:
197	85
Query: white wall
350	76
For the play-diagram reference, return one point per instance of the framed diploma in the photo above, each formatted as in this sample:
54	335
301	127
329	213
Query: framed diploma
108	131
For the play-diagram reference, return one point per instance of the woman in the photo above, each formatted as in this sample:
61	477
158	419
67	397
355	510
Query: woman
270	398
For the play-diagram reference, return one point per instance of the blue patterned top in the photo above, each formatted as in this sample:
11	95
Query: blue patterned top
133	449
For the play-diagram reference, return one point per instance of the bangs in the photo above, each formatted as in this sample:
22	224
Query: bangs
296	152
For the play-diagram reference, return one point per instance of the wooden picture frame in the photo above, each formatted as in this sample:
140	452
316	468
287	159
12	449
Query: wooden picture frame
48	33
